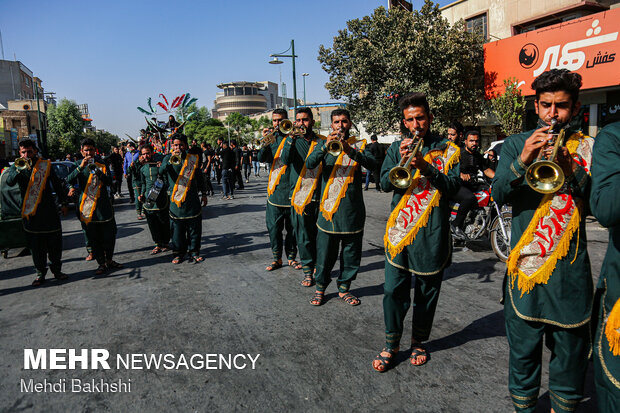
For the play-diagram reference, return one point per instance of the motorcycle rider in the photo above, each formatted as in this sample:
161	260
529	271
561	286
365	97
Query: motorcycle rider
471	162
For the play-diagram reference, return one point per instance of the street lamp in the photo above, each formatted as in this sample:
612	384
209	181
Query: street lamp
276	61
304	75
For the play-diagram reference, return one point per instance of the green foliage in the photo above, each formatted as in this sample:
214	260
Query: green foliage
510	107
64	128
397	52
103	140
241	127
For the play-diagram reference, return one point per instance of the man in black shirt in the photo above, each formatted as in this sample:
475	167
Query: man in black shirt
229	161
237	169
218	155
471	162
246	162
376	149
207	164
115	164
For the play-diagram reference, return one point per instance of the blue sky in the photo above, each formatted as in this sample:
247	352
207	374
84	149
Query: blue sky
114	54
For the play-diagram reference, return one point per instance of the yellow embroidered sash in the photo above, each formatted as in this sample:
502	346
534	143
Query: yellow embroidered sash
307	183
36	186
277	170
342	175
414	208
184	180
547	238
612	329
88	203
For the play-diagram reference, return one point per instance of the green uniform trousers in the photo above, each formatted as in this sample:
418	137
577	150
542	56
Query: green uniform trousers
43	246
569	348
397	300
102	239
305	234
138	204
159	226
89	249
278	219
329	246
186	233
607	391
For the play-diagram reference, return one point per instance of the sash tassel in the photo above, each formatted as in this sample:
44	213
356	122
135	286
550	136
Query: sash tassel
612	329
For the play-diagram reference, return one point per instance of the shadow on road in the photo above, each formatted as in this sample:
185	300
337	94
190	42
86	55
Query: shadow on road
489	326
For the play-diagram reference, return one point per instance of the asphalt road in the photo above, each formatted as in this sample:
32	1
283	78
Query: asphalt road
311	358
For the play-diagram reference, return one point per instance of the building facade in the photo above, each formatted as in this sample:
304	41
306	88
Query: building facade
17	82
21	121
526	37
247	98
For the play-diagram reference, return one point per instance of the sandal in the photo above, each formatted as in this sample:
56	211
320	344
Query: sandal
61	276
274	266
318	298
101	270
385	362
113	265
89	257
296	265
140	217
350	299
197	258
418	350
177	260
156	250
308	281
38	281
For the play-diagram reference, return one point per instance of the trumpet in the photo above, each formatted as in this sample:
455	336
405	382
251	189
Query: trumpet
175	159
335	147
92	167
544	175
401	176
23	163
285	127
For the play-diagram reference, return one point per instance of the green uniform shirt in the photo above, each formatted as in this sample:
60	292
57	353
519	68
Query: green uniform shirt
148	174
46	218
431	250
191	207
297	159
566	299
103	210
605	203
280	196
350	216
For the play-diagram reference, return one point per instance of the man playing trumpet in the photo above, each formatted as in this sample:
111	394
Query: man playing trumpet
305	190
36	177
342	212
278	213
417	238
181	170
549	285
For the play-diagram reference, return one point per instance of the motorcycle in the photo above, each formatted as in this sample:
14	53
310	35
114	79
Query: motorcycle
488	219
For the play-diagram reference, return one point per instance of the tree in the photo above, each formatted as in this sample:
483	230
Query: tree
64	128
240	124
510	108
381	57
103	140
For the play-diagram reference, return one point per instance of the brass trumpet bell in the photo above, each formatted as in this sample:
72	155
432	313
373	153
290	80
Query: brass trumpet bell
175	159
545	177
286	126
400	177
334	148
92	168
23	163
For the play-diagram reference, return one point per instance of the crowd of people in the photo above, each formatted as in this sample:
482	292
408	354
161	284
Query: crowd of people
315	208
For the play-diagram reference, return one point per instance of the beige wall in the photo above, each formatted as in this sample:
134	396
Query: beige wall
502	14
19	104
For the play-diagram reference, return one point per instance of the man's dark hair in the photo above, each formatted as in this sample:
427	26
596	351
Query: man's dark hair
133	145
307	111
373	138
146	145
28	143
558	80
233	142
416	99
472	132
90	142
457	126
180	137
340	112
280	111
